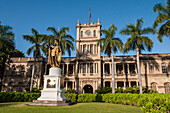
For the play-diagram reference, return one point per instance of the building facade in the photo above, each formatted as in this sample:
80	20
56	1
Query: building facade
89	70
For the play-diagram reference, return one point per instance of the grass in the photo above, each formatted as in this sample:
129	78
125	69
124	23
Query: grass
20	107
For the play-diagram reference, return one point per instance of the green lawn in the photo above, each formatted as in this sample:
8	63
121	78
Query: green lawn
20	107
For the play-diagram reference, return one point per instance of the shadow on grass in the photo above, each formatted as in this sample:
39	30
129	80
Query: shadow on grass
4	104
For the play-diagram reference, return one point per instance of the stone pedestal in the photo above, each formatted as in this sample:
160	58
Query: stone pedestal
52	93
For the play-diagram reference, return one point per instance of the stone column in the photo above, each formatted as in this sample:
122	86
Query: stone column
66	84
103	83
128	69
129	83
123	68
63	69
93	86
115	84
73	68
124	84
103	69
93	49
110	68
81	86
67	69
96	85
73	84
137	83
94	70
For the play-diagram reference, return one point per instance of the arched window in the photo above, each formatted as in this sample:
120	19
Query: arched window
94	33
167	87
84	49
91	49
81	34
154	86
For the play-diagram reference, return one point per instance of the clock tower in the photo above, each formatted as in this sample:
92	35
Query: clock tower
88	57
87	36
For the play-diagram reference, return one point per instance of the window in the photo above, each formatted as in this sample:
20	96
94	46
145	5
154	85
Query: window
107	68
120	84
133	83
151	68
88	49
94	33
80	48
84	68
154	86
65	68
119	68
132	68
107	84
13	69
95	49
91	49
81	34
164	68
70	84
20	86
70	69
167	87
84	49
91	67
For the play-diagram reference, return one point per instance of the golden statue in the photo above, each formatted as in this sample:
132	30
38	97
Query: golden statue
54	55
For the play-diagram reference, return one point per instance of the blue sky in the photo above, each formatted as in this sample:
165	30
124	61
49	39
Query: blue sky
23	15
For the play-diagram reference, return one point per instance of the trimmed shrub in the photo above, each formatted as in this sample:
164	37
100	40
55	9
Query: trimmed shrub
147	102
18	96
71	97
134	90
87	97
69	90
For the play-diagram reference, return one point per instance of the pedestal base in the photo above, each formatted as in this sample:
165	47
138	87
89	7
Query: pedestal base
49	103
52	94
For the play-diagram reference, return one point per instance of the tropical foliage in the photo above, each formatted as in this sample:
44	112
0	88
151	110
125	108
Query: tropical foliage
6	45
65	41
163	19
138	41
110	45
35	39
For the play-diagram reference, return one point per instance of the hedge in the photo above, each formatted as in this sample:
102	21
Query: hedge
18	96
147	102
71	97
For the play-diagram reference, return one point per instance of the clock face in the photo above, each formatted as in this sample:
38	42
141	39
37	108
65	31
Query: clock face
88	32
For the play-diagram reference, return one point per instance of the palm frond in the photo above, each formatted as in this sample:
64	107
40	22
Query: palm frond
29	51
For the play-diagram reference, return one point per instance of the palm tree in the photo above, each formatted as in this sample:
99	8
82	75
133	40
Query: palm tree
65	41
138	41
35	39
6	45
162	19
109	44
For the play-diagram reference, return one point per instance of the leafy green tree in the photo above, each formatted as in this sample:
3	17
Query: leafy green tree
35	39
163	19
16	53
110	45
6	45
138	41
65	41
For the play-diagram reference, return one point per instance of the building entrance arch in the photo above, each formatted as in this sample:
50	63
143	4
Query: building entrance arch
88	89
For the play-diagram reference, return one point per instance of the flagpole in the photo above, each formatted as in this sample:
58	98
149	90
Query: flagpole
89	15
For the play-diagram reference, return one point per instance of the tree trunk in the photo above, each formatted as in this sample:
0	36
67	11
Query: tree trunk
138	66
113	74
33	72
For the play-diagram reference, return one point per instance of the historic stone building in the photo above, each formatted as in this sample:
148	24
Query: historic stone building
89	70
